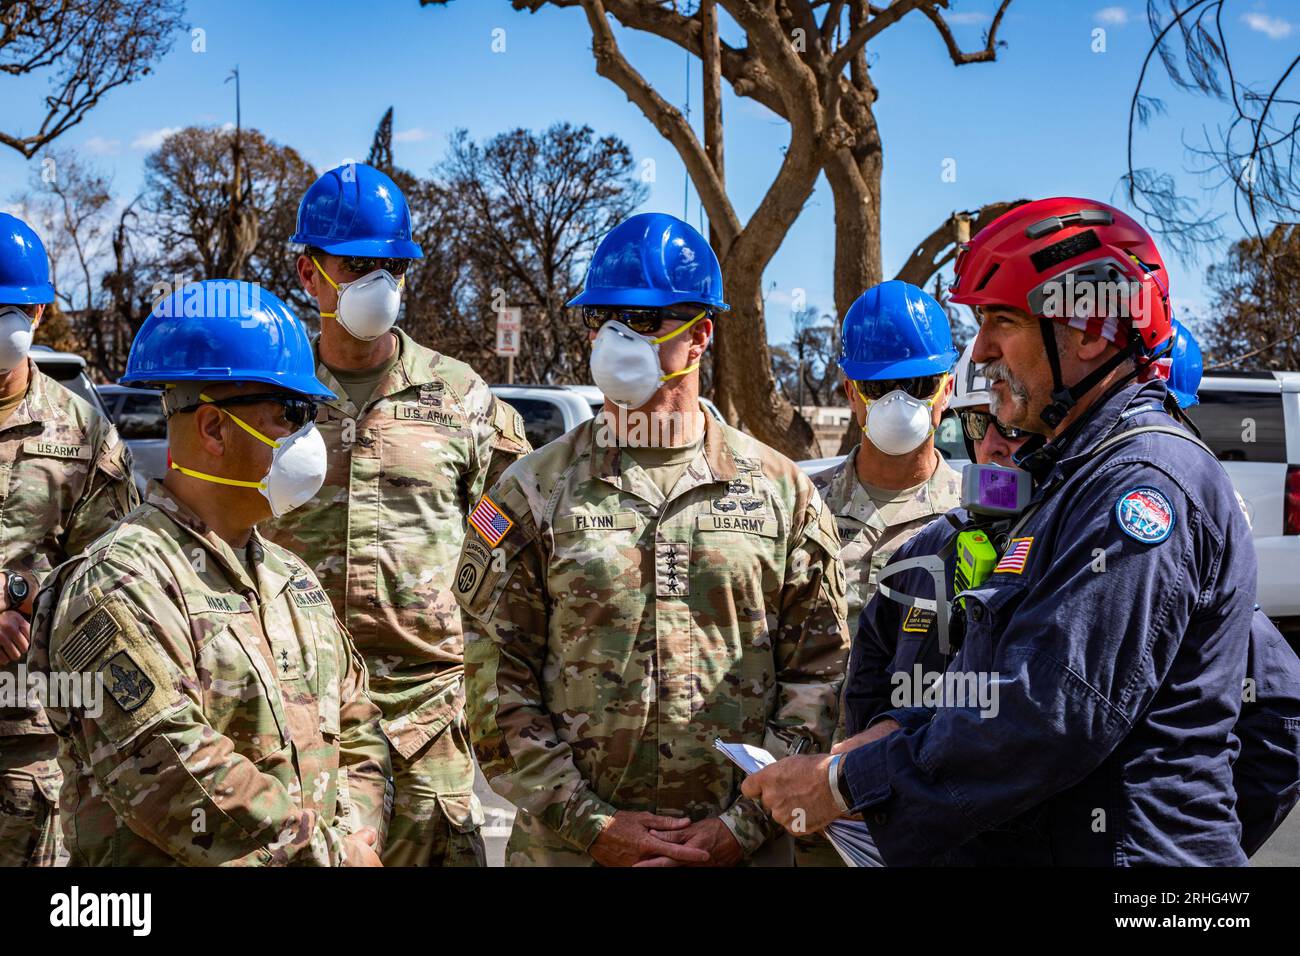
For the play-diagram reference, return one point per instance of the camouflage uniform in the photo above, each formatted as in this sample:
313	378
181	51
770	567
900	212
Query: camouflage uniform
869	541
869	538
65	477
234	726
611	635
383	535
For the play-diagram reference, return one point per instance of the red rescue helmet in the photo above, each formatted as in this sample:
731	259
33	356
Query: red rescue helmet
1050	246
1079	262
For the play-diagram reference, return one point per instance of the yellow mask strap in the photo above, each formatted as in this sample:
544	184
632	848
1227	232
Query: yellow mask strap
678	331
401	284
321	269
943	382
685	371
217	478
242	424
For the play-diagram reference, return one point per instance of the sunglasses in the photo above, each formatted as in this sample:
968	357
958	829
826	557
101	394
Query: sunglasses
923	387
640	321
297	411
976	426
364	265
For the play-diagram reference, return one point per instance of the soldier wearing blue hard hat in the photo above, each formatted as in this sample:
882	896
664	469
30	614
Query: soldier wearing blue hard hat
67	479
412	438
235	728
896	353
662	561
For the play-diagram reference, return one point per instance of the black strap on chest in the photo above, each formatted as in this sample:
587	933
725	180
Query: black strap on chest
1110	442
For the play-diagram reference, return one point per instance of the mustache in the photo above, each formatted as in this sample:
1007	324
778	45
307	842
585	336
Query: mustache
998	371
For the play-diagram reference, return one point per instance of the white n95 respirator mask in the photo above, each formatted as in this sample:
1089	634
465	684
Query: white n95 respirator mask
898	423
298	463
625	366
15	337
367	306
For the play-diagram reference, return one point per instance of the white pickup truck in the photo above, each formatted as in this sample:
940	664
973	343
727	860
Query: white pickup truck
1251	420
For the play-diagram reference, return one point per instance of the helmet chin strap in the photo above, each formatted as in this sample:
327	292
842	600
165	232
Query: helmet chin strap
1064	398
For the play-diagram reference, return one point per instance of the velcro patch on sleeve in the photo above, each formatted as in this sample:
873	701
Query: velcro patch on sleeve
490	521
508	422
918	620
138	682
126	681
90	640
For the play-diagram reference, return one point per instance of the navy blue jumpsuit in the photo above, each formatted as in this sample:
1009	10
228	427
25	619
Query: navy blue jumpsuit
1115	633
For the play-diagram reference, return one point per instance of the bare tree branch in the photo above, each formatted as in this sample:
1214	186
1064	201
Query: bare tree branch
940	247
668	119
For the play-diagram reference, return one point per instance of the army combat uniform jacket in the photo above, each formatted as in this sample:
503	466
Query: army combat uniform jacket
233	725
869	538
65	477
612	635
383	534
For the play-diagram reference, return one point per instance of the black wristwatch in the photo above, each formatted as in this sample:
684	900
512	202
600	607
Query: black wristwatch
16	590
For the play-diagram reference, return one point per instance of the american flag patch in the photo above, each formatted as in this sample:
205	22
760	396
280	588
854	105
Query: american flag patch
490	521
1013	562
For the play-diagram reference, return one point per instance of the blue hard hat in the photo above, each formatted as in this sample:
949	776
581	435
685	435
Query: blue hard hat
1186	367
24	266
652	260
223	330
895	330
355	210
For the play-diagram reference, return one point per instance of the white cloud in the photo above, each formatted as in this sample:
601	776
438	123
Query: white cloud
1275	28
967	19
416	135
153	138
100	146
227	127
1112	16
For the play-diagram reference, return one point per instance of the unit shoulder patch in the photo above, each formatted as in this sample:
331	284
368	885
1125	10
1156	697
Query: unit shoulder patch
126	682
1145	514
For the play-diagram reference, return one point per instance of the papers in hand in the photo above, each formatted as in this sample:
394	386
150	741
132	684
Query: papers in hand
850	838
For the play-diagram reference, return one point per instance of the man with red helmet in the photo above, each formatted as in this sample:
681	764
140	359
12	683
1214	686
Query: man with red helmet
1113	629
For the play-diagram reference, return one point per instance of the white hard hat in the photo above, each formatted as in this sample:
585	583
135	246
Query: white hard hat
970	388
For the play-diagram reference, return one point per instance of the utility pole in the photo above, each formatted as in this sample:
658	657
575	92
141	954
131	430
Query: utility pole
711	59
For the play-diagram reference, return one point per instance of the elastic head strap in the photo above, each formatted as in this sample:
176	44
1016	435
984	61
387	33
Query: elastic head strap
675	332
241	423
685	371
216	478
401	284
679	330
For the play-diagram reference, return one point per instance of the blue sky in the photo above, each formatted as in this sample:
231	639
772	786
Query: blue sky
1048	118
